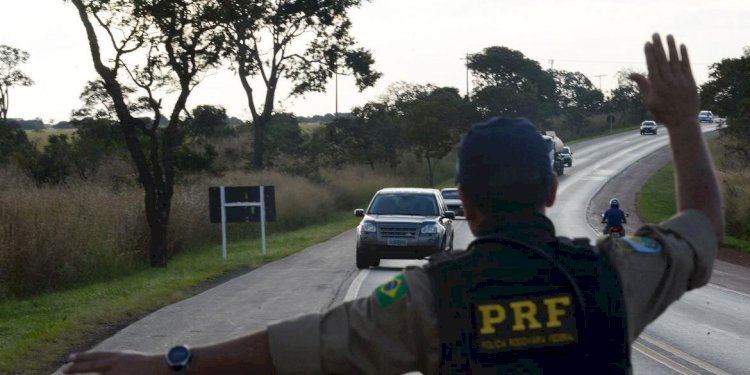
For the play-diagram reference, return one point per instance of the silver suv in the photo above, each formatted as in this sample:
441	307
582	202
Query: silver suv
403	223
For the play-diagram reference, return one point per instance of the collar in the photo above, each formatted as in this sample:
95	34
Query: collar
534	229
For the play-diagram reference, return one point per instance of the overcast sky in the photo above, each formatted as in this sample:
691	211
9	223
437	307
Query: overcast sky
417	41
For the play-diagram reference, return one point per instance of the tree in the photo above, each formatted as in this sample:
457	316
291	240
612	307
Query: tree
727	93
577	98
304	42
510	84
98	104
10	76
206	119
626	99
179	40
433	119
371	135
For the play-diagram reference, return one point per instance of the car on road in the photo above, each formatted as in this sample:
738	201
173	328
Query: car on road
567	156
403	223
706	116
649	127
452	201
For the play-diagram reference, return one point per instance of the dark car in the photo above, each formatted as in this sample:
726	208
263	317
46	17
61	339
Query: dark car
452	201
403	223
567	156
648	127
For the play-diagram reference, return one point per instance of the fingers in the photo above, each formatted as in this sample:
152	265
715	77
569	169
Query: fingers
642	82
686	70
653	69
665	71
674	58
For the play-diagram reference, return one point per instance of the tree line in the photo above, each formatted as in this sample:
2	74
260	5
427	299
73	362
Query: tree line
170	45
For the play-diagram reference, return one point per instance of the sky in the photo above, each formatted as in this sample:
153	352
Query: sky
414	41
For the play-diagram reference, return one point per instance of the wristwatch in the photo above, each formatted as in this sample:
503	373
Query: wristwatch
179	357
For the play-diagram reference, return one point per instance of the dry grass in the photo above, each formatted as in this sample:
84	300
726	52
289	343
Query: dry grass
55	237
736	193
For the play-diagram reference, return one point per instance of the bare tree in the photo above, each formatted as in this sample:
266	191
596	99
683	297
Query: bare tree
175	42
10	76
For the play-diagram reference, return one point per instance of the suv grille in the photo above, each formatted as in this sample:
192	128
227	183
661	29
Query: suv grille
398	231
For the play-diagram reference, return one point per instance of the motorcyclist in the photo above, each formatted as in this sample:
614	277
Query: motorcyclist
614	216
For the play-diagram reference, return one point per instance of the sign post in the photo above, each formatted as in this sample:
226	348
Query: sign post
610	121
242	204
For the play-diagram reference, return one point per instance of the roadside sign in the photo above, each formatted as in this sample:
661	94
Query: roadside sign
235	204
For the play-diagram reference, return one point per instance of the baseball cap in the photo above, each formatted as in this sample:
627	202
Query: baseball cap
507	157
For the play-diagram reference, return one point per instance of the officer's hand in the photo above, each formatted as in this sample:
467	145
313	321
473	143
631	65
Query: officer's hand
116	363
669	91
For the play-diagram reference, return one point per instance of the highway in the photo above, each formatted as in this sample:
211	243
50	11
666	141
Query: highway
706	332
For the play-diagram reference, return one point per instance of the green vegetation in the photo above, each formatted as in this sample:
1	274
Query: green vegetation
656	200
38	332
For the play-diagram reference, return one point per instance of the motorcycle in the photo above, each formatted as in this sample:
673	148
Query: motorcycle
616	231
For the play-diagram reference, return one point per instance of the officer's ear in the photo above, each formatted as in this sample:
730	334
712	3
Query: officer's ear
471	213
552	194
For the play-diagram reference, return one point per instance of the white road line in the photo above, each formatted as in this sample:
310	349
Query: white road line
729	290
356	285
682	355
663	360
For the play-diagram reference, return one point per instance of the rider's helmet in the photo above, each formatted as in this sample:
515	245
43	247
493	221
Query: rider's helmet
614	203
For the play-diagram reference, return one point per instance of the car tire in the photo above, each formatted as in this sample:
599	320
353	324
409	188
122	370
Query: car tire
363	260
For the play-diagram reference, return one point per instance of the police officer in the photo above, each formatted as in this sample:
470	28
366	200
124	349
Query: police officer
468	313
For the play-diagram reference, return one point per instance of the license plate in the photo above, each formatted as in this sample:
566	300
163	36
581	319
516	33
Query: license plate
396	242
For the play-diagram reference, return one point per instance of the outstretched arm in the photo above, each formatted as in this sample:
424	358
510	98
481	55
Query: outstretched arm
671	95
244	355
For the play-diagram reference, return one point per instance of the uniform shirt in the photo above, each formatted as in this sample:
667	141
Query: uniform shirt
394	331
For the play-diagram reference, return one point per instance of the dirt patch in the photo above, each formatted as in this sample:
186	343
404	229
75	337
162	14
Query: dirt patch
733	256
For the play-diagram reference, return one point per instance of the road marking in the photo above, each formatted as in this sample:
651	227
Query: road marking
729	290
682	355
356	285
648	352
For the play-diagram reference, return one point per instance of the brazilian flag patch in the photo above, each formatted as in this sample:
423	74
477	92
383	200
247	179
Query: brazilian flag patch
642	244
392	290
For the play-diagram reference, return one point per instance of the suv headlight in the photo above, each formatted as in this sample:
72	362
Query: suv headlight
429	228
369	227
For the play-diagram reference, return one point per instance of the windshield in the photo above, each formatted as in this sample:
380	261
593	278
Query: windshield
404	204
450	194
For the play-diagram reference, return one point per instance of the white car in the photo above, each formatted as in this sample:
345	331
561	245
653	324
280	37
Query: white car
706	116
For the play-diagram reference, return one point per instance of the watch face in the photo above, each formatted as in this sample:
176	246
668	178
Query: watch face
178	354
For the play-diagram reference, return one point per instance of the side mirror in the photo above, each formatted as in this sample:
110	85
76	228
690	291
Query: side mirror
359	212
449	215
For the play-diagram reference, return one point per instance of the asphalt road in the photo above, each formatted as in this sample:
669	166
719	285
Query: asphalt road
708	331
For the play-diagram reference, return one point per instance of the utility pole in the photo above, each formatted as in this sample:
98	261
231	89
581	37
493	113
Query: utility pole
600	80
551	64
337	95
467	75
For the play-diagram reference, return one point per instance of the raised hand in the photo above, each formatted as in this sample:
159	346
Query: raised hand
669	91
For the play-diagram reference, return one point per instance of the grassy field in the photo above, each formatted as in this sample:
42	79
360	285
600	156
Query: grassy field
38	333
656	202
40	137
